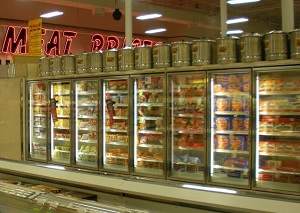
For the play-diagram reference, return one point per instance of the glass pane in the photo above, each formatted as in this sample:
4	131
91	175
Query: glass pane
115	126
148	123
86	123
60	129
230	132
278	133
188	123
38	121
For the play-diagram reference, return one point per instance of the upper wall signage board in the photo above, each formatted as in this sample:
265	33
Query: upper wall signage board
15	40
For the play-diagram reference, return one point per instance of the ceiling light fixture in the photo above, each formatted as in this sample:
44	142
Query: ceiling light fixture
51	14
149	16
236	20
212	189
230	32
241	1
158	30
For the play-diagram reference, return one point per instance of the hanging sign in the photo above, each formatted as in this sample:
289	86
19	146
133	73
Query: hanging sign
53	109
35	37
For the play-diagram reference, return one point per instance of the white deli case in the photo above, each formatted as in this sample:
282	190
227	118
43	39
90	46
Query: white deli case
277	162
38	120
115	124
187	126
60	128
230	132
149	122
86	123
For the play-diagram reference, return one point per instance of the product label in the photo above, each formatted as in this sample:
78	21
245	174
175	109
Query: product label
222	48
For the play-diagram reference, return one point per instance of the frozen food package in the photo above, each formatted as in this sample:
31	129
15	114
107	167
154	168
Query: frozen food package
239	143
237	124
234	78
222	141
222	123
222	104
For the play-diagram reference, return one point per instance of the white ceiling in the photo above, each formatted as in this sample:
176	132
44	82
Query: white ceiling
183	19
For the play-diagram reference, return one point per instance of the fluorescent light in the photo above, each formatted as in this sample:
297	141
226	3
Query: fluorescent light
230	32
206	188
241	1
51	14
149	16
55	167
155	30
236	20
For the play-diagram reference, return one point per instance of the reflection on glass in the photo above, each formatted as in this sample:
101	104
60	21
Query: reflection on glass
148	125
188	115
230	112
60	129
115	126
38	102
278	131
86	120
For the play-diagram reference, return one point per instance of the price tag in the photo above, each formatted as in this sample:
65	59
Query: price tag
53	111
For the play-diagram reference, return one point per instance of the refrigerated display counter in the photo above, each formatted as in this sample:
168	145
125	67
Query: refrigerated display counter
19	198
149	116
187	124
86	123
232	125
116	131
277	153
145	193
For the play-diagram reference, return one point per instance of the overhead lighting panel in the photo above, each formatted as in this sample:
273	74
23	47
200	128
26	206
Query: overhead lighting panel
236	20
206	188
51	14
230	32
158	30
149	16
241	1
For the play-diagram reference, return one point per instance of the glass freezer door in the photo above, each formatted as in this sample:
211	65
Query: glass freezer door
187	122
61	129
149	125
278	130
86	123
230	137
115	125
38	102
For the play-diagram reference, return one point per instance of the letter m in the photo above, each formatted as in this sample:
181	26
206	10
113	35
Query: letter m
11	44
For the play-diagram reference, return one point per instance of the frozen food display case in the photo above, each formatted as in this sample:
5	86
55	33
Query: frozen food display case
37	120
115	124
230	132
60	122
149	123
187	126
86	123
277	163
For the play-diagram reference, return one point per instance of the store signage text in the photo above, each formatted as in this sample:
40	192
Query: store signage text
16	43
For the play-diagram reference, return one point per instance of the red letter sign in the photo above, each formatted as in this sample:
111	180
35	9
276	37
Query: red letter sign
112	42
70	35
97	42
53	43
10	44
